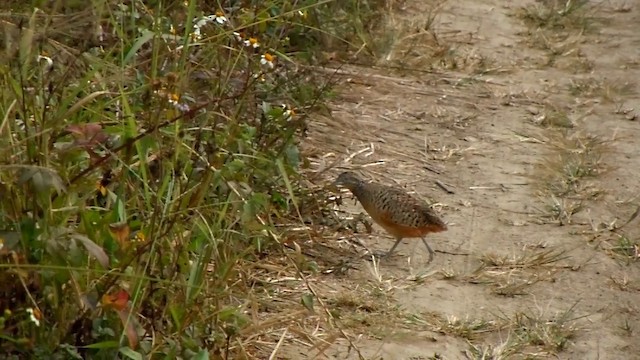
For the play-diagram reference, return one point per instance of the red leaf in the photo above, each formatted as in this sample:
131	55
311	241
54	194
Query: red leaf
121	232
129	328
117	301
87	135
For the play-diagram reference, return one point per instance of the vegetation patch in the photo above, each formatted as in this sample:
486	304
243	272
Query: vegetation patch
150	174
574	160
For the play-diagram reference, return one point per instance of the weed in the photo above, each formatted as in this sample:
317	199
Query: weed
558	16
626	248
554	116
466	328
532	333
575	159
558	28
510	276
626	327
414	44
551	335
561	210
503	350
526	260
607	90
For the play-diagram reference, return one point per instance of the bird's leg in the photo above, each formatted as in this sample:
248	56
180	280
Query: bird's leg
431	252
393	247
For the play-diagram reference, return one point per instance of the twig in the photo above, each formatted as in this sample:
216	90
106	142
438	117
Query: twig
635	215
444	187
432	169
451	253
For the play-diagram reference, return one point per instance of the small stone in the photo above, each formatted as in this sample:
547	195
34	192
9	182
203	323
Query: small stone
533	110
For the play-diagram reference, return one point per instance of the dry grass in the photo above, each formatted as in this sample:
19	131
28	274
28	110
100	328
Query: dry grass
546	334
558	28
410	46
574	159
605	89
511	275
528	332
560	210
559	17
554	115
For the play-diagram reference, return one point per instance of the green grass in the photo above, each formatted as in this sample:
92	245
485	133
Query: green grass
626	248
148	158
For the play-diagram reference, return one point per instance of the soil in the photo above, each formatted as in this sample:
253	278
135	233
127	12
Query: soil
478	104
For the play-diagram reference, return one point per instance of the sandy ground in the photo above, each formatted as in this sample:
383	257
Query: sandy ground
548	273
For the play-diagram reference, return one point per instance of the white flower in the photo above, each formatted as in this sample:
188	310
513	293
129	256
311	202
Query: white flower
174	99
267	60
200	22
33	316
287	112
196	34
253	42
219	17
47	59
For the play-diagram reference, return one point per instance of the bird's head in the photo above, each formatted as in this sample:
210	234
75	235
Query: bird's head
348	179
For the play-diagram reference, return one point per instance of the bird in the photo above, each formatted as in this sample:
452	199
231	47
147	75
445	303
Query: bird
400	214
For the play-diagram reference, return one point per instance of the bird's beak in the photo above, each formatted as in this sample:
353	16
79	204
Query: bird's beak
334	186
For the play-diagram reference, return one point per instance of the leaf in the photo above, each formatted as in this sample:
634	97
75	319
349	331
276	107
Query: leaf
287	182
42	179
130	329
146	36
87	135
8	241
70	350
88	302
94	249
201	355
118	301
121	231
177	313
109	344
77	106
130	353
292	154
26	41
307	301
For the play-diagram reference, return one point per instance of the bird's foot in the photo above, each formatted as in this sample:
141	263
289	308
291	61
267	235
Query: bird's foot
379	255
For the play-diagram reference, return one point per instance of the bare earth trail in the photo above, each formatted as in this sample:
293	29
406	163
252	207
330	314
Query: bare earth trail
478	128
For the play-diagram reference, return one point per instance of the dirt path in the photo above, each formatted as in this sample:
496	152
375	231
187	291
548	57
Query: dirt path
534	132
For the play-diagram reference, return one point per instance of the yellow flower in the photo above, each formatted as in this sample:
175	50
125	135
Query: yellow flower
139	237
102	189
